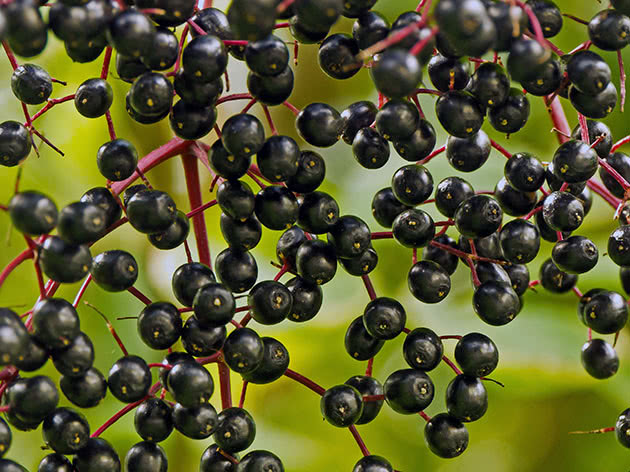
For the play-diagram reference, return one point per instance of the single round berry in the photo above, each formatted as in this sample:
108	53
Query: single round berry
15	143
384	318
146	455
396	73
459	113
151	211
66	431
153	420
341	405
33	213
76	359
117	159
55	323
606	312
93	98
190	384
359	343
129	379
188	278
609	30
575	255
243	350
372	464
408	391
31	84
470	153
599	359
214	305
466	398
204	58
114	271
476	354
274	364
446	436
235	430
236	269
413	228
478	216
423	349
243	135
319	124
159	325
85	391
412	184
195	423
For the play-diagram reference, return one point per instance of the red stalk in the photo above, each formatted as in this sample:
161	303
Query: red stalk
193	186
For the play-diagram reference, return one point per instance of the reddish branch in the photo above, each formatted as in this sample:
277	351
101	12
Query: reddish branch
224	382
193	185
368	286
172	148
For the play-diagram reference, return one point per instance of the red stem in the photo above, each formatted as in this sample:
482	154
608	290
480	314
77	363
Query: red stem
294	110
392	39
382	235
357	437
180	49
241	402
448	362
614	174
196	27
232	97
274	131
122	412
559	119
201	208
620	143
284	5
51	103
82	290
500	148
110	127
533	19
21	257
193	186
106	60
224	382
10	55
622	79
305	381
420	45
370	367
373	398
368	286
428	91
139	295
603	192
584	128
432	155
172	148
451	336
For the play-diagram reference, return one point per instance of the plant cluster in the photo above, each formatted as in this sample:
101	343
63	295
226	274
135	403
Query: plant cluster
175	54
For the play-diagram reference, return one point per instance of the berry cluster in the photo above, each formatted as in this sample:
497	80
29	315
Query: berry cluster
185	79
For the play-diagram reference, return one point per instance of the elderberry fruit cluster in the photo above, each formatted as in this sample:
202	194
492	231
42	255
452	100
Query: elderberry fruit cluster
175	56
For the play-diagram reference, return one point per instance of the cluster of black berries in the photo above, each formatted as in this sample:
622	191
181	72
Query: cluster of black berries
184	78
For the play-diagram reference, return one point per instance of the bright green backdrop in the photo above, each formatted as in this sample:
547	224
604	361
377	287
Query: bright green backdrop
547	393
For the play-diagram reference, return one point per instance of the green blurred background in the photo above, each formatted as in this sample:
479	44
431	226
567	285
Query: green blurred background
546	394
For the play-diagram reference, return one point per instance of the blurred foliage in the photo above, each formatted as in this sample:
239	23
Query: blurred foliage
546	394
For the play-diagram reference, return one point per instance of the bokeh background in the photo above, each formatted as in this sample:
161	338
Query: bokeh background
547	394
